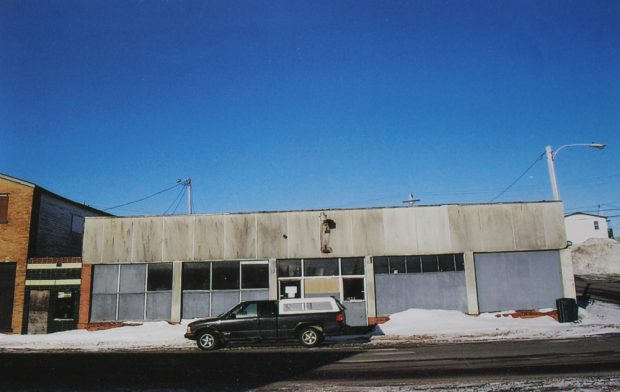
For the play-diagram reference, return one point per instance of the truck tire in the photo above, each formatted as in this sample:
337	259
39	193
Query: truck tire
310	337
207	341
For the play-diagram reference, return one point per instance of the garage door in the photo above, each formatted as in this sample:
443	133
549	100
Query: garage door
518	280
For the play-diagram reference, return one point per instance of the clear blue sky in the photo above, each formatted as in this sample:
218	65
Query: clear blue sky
277	105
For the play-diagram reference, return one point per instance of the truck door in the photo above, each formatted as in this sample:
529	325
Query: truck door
268	319
242	323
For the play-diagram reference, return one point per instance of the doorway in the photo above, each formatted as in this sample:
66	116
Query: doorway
7	291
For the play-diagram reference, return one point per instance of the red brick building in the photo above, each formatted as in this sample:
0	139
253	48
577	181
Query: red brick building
34	223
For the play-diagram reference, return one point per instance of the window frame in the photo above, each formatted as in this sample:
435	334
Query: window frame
4	208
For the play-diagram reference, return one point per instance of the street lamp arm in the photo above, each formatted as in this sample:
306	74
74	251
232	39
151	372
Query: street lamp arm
600	146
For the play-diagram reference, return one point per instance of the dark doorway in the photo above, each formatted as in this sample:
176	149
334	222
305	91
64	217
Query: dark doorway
7	290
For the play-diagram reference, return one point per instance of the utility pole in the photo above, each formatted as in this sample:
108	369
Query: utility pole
188	184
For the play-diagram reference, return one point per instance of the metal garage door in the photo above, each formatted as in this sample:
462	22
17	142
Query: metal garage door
518	280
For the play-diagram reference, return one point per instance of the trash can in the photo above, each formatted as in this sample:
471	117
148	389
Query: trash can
567	310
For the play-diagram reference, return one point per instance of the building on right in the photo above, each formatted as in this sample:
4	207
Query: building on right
581	226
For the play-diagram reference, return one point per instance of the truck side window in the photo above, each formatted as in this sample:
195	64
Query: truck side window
248	311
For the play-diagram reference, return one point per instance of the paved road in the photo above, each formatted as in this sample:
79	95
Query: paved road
268	368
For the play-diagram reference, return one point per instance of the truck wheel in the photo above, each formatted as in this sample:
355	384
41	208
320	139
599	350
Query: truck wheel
207	341
310	337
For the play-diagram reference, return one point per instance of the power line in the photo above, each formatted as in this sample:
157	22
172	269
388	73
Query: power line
142	199
518	178
178	197
180	200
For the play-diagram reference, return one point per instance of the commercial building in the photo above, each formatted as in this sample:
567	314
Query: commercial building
377	261
35	222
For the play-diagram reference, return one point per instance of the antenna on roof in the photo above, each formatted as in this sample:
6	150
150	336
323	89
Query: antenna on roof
411	200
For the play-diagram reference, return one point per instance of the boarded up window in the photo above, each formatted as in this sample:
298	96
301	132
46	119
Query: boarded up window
4	208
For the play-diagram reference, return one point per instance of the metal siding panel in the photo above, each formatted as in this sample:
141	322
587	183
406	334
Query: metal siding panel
209	237
147	239
93	241
117	240
271	229
529	227
240	232
103	307
131	307
518	280
432	228
255	295
400	233
133	277
367	232
355	313
221	301
496	228
178	238
304	234
195	304
555	230
105	279
158	305
442	290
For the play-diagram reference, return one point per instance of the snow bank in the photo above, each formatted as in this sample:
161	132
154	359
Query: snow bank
596	256
149	336
448	325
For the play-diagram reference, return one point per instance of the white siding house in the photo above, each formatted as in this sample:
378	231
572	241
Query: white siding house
581	226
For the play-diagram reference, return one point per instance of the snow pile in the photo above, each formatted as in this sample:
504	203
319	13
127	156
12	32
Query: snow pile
450	325
596	256
149	336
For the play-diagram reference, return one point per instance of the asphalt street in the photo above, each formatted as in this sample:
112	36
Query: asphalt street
266	368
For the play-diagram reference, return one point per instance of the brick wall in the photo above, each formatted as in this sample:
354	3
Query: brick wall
15	241
87	270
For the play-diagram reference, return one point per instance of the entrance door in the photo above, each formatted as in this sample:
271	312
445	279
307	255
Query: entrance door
7	290
38	313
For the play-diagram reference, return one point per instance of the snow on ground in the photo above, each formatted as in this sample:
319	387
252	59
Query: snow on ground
446	325
596	256
414	325
148	336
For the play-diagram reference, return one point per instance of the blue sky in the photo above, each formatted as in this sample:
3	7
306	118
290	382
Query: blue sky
279	105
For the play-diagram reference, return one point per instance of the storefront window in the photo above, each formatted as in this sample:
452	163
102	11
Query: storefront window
289	268
159	277
254	276
196	276
321	267
225	275
352	266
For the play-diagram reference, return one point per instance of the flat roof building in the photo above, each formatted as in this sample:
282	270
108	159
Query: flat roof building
377	261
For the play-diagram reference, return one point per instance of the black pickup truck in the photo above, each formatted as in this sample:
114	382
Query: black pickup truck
308	320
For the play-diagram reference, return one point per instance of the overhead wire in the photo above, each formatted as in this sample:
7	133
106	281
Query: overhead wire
142	199
178	197
518	178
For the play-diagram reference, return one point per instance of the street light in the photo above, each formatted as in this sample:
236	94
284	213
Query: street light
551	157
